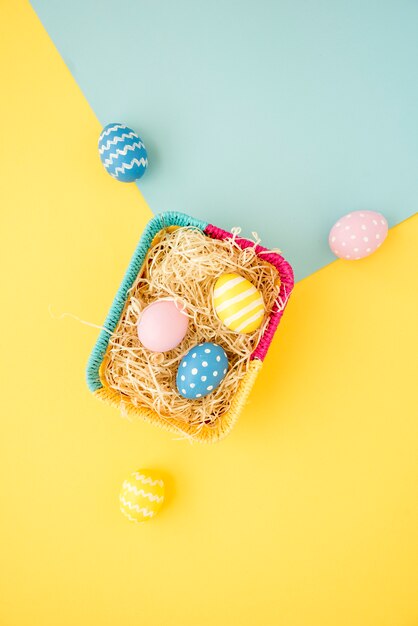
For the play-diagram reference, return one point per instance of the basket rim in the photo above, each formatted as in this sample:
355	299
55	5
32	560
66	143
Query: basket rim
153	227
286	285
207	434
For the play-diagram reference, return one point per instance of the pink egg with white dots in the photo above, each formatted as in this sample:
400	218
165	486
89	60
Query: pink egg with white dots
358	234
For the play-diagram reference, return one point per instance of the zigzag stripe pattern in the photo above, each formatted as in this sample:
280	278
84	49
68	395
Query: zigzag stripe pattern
117	139
140	492
146	480
107	131
130	518
135	507
121	152
128	166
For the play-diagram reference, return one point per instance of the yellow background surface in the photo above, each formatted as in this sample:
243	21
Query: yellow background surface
305	515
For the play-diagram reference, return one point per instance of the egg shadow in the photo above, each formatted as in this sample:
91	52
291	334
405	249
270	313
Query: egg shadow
170	487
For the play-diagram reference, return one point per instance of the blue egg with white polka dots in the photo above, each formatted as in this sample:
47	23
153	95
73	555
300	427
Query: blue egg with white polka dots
122	153
201	371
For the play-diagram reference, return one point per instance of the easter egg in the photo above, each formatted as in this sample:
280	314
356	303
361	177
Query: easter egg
237	303
358	234
201	370
142	495
162	325
122	153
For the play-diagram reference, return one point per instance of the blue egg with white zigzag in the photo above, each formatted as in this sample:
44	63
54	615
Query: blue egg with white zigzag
122	153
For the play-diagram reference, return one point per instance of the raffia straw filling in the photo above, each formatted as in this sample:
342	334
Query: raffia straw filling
184	264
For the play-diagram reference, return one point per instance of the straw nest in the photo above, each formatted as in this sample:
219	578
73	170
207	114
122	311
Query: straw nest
184	263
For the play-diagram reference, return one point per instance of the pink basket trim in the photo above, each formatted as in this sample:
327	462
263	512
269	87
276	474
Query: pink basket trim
286	287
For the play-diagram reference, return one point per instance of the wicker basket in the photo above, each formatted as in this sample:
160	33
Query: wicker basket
222	427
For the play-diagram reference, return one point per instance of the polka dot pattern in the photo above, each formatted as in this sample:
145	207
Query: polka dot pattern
358	234
201	371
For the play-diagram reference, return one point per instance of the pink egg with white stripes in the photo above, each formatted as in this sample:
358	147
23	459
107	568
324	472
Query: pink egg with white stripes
358	234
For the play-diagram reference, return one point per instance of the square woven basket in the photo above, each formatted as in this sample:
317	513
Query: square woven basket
223	426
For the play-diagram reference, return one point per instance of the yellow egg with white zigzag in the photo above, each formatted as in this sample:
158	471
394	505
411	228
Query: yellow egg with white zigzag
142	495
237	303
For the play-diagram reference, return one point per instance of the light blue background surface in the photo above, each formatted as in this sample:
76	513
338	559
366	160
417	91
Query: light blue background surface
278	116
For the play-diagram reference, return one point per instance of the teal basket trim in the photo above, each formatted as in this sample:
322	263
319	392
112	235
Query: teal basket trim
160	221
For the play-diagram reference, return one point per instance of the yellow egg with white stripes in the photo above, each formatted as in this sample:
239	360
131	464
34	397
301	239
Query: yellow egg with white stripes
142	495
237	303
